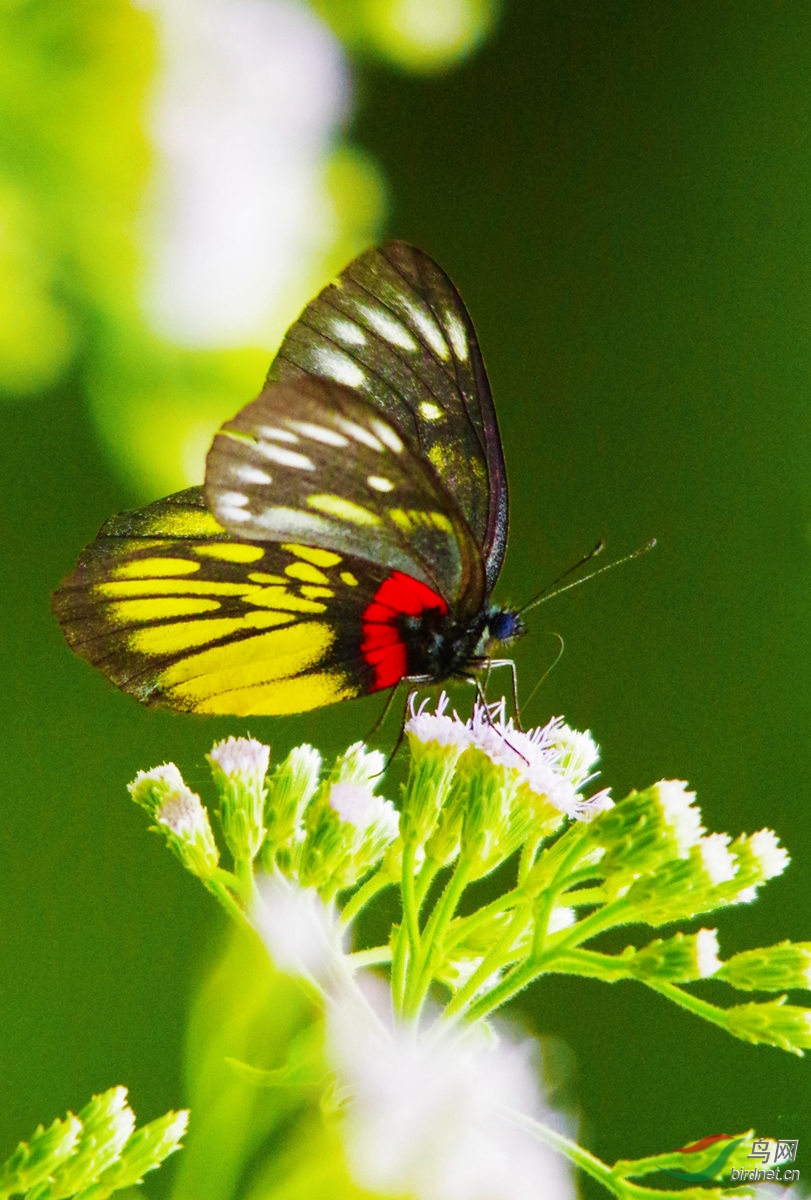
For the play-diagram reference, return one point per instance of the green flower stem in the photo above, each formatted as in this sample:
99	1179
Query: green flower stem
246	882
410	906
699	1008
374	957
557	865
500	956
363	895
613	913
543	911
462	927
407	941
513	983
587	1162
420	975
528	852
399	963
583	896
592	964
428	873
223	884
547	960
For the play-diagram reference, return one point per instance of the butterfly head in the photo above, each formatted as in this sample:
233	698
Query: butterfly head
501	627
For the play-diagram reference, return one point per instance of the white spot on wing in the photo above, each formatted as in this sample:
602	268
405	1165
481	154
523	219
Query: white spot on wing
359	434
348	331
275	434
235	499
319	434
292	522
456	332
388	327
229	514
430	411
379	483
429	329
248	474
338	366
285	458
387	435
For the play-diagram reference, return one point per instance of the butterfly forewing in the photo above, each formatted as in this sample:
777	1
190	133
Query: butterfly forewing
310	460
175	611
394	329
351	528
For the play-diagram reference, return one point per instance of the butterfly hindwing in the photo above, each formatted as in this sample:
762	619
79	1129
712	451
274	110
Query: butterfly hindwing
175	611
395	330
312	461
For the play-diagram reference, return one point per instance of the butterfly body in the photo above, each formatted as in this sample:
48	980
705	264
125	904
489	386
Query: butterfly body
351	528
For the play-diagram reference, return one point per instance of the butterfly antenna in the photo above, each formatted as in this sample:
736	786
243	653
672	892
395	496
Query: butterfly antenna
553	590
548	670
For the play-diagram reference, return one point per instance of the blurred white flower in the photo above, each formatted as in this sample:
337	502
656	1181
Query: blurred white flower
300	931
250	96
429	1116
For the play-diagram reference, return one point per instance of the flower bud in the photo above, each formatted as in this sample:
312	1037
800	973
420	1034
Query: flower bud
770	968
239	767
347	829
436	741
179	816
645	829
290	789
774	1023
678	959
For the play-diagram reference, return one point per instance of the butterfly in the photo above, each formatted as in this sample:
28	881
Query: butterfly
351	529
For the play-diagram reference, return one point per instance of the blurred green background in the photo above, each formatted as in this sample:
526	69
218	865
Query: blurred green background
622	192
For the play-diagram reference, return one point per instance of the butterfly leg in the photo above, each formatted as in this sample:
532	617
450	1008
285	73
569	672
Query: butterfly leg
381	719
488	718
508	662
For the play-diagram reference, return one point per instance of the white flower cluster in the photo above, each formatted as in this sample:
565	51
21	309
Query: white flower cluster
553	761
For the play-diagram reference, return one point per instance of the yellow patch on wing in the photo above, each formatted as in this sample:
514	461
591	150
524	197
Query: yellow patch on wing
312	554
182	523
186	635
261	577
349	579
200	680
344	510
314	592
306	572
281	698
145	567
114	588
128	612
277	597
230	552
408	519
438	455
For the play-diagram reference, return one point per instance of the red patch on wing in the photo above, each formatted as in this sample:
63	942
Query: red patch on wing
381	644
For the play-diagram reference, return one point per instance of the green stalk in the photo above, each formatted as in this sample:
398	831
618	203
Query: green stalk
363	895
498	957
420	975
587	1162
